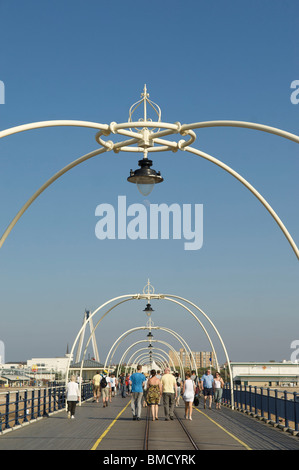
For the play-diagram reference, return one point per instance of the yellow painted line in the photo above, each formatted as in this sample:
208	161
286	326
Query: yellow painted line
109	427
223	429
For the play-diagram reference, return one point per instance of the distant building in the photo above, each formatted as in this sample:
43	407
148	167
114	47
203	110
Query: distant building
265	374
53	364
203	359
89	369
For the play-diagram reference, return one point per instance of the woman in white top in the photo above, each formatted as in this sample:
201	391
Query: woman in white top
72	396
188	396
218	386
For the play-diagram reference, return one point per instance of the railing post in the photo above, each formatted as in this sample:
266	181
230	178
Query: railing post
50	404
240	398
268	401
255	393
286	419
32	403
245	398
276	407
17	400
7	426
25	406
250	399
45	402
54	399
295	412
38	402
262	405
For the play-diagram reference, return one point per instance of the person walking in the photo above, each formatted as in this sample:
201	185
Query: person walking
207	386
218	385
72	396
122	382
136	381
169	393
105	389
144	404
188	395
159	376
154	392
179	388
128	387
96	386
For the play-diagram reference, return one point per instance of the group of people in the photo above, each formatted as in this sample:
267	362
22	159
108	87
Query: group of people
168	387
104	386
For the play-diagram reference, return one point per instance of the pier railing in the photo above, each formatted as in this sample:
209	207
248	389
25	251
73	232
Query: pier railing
22	406
280	408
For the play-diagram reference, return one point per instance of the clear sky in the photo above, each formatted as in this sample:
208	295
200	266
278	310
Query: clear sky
200	61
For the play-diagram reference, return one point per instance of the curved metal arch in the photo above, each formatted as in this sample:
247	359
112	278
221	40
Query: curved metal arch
242	124
145	355
125	297
156	357
134	297
167	297
132	330
145	362
251	188
168	362
191	353
156	341
170	129
135	352
152	341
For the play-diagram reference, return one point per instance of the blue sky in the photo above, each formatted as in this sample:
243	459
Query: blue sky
200	61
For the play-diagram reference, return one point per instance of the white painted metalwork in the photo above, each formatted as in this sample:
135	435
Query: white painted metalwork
132	330
147	296
143	349
150	138
144	356
92	336
155	341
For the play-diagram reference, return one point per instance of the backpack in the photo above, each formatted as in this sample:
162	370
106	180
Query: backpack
103	382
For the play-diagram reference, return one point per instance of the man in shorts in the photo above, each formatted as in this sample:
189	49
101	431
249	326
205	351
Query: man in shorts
96	386
105	389
207	387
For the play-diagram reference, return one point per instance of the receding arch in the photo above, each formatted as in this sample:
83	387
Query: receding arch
154	341
148	297
132	330
126	299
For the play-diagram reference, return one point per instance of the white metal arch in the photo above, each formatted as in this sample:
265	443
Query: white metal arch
157	357
156	341
132	330
146	138
145	355
160	342
133	297
149	297
136	352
